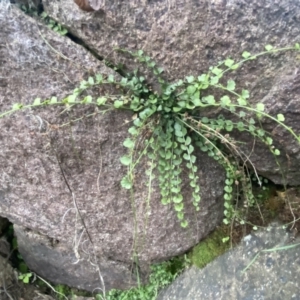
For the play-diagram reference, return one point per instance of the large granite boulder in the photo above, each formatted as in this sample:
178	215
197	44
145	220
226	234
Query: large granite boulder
264	266
186	37
56	171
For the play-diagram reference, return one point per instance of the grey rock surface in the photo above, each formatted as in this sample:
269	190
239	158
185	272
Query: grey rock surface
7	277
34	148
273	275
186	37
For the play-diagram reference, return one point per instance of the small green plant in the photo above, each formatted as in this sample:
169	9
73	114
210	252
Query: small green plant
50	23
170	124
25	277
161	276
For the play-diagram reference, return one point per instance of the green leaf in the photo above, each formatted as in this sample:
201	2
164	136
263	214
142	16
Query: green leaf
126	183
246	54
188	140
177	198
168	155
128	143
190	105
276	152
137	122
245	94
225	101
228	189
268	47
99	78
88	99
197	101
186	156
228	62
91	81
191	89
53	100
133	131
234	67
101	101
184	224
178	206
240	126
260	132
225	221
269	141
179	133
216	71
205	120
297	46
230	85
260	106
177	162
159	70
37	101
193	183
251	121
242	114
71	98
242	101
190	149
280	117
229	181
203	78
139	53
111	78
125	160
152	64
196	197
190	79
193	159
210	99
227	197
251	128
225	239
214	80
165	201
180	215
118	103
177	109
17	106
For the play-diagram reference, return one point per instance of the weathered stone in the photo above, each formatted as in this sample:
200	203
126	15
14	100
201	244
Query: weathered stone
272	275
6	276
186	37
5	250
36	149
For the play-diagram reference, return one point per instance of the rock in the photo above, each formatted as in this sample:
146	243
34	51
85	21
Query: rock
272	275
35	150
6	276
187	37
4	247
43	297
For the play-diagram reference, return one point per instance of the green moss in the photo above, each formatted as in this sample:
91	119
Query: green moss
210	248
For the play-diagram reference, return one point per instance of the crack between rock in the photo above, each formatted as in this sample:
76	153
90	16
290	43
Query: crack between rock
35	13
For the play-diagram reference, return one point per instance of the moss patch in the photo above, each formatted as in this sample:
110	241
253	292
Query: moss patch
210	248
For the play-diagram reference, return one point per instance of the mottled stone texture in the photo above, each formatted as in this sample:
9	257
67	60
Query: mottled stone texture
34	150
186	37
272	275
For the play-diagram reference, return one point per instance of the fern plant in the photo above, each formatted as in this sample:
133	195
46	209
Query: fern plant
175	122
